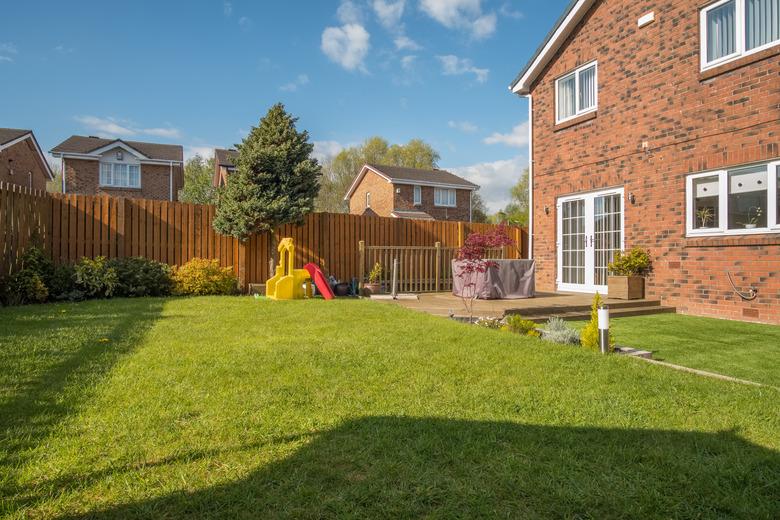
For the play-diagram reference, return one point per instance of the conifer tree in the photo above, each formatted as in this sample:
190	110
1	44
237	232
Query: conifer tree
275	182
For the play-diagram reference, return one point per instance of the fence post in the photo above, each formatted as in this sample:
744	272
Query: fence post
242	254
460	234
361	262
437	269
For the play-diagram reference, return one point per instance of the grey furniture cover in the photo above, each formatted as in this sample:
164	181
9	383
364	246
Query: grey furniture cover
506	279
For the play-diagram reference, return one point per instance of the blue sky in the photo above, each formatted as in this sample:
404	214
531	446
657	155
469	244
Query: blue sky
201	73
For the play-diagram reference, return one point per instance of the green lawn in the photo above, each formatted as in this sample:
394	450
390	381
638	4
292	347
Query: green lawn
745	350
236	408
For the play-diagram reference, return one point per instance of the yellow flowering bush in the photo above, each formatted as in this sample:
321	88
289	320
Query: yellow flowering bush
200	277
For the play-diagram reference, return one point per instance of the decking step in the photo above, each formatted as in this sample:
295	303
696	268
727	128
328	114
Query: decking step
633	352
613	313
555	310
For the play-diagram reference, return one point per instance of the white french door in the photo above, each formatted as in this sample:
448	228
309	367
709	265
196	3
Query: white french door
590	232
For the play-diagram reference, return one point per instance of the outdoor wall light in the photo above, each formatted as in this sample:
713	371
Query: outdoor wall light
547	210
631	198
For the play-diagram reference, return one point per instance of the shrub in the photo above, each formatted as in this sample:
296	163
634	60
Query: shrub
376	273
201	277
96	278
515	323
634	263
589	337
139	276
558	331
26	286
62	284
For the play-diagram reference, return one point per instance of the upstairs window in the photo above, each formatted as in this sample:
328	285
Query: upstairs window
577	93
417	195
444	197
734	28
118	175
741	200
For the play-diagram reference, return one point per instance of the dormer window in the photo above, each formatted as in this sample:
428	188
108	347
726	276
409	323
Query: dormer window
576	93
731	29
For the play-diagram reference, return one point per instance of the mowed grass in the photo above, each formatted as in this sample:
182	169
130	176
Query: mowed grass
745	350
236	408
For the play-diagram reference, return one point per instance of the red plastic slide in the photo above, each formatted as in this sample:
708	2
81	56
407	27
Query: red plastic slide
318	277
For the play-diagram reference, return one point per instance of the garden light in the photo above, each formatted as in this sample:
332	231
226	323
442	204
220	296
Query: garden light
604	329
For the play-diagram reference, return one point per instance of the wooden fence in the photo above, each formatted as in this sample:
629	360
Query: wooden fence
69	227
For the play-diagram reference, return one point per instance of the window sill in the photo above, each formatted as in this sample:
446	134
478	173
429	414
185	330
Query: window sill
738	63
575	121
124	188
765	238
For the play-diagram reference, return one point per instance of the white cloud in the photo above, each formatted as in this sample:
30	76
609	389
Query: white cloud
245	23
6	59
517	138
404	43
326	149
349	13
6	50
454	66
407	62
190	151
61	49
494	178
346	45
227	8
295	84
510	12
389	13
466	127
111	127
461	14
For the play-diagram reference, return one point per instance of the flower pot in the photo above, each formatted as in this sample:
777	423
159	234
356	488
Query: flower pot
750	226
372	288
341	289
626	287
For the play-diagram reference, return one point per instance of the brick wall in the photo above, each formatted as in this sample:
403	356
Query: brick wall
405	201
23	159
83	178
659	119
381	196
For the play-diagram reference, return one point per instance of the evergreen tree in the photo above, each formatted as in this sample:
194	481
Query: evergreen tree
275	182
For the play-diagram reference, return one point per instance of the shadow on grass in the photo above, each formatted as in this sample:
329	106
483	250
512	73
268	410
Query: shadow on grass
407	467
65	362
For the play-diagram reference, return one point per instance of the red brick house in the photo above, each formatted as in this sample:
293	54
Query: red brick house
394	191
21	160
657	124
224	165
93	165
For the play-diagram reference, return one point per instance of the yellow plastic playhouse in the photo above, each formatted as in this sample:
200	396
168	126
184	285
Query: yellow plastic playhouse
288	283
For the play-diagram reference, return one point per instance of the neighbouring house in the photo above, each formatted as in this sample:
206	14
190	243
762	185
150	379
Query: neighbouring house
94	165
394	191
21	160
657	124
224	165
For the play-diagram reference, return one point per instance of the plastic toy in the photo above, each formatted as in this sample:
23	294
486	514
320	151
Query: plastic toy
319	280
288	283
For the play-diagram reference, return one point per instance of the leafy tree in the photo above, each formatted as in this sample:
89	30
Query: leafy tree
478	208
55	185
516	212
198	181
339	172
275	182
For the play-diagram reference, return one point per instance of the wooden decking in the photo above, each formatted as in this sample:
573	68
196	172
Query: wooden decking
570	306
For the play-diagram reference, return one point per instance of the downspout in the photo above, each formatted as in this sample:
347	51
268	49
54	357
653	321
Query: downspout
62	171
170	181
530	176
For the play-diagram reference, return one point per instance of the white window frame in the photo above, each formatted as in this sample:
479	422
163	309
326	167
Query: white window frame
577	110
112	183
451	196
772	217
417	195
740	33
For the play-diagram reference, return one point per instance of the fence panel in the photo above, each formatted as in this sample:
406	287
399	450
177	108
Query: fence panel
69	227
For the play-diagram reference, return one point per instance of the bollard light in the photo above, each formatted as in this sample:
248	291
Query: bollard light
604	329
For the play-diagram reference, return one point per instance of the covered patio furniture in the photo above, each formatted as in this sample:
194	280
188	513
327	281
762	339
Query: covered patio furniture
504	280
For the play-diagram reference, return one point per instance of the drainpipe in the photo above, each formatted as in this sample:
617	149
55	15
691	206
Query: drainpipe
62	170
530	176
170	181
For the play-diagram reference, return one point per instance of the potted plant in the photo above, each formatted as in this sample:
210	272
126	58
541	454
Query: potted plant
374	284
626	280
705	216
753	218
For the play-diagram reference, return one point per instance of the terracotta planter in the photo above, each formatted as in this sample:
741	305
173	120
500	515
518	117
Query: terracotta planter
626	287
372	288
